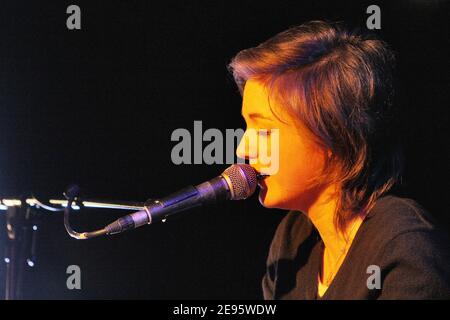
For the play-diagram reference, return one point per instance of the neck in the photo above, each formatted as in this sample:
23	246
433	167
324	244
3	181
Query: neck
322	213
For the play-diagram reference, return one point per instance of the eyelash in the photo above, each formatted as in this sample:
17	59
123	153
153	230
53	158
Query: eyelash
264	132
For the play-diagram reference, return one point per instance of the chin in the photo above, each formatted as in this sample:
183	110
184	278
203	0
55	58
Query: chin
274	199
269	200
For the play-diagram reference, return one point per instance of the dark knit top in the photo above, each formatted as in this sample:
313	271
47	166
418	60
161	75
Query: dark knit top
398	238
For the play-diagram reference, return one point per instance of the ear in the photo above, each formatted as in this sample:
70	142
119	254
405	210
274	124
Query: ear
329	153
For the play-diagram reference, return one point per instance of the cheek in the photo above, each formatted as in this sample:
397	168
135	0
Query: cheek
291	185
303	165
299	161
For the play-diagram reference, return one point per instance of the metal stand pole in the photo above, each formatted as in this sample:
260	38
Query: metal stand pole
21	226
20	248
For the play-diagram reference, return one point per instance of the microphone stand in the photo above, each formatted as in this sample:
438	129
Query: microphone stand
20	248
101	204
22	219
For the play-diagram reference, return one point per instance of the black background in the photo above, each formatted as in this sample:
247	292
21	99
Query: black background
97	107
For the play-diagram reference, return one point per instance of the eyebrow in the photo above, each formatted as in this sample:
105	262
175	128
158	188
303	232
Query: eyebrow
257	115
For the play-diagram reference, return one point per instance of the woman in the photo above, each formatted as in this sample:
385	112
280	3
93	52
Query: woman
328	92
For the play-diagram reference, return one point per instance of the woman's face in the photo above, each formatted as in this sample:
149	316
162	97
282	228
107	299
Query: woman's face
294	157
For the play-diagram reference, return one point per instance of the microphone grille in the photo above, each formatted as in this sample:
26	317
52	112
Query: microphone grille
241	179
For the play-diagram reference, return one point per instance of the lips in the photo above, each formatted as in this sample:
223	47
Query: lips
261	182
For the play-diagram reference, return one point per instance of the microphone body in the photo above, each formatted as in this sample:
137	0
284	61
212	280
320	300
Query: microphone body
235	183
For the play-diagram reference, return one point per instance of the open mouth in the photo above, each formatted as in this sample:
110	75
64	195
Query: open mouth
261	176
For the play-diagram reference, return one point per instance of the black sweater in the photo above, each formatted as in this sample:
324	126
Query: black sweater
398	236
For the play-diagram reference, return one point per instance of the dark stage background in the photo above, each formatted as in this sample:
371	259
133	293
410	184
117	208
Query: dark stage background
97	107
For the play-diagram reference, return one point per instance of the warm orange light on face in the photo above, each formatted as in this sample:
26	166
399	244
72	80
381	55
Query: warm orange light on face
300	160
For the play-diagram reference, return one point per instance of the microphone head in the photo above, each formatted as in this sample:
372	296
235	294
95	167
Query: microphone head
241	179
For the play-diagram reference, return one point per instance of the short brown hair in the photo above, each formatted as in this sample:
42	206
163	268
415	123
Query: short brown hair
339	84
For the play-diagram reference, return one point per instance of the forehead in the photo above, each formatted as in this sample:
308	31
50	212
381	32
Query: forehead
256	101
255	98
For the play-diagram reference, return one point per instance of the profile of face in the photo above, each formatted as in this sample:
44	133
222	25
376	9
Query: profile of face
299	158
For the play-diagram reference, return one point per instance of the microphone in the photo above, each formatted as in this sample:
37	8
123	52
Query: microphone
237	182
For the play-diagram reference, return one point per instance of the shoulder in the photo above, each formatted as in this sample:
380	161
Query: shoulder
413	252
392	216
402	226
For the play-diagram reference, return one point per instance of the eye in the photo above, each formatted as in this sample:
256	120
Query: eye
264	132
